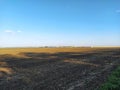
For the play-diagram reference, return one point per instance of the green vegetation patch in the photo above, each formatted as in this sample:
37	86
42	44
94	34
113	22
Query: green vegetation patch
113	82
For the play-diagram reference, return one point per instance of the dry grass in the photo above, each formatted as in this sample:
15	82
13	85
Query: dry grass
56	68
16	51
80	62
6	70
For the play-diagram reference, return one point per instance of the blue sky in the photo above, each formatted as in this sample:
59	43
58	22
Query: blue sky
59	23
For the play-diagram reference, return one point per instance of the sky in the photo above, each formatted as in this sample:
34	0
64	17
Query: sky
59	23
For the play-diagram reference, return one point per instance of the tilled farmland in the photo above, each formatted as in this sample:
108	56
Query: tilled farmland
58	70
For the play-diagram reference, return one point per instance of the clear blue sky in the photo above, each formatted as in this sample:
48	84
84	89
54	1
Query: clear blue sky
59	23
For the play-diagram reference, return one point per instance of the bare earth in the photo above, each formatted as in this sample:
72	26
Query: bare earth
56	68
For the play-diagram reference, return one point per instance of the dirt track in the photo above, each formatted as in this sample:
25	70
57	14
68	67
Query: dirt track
57	71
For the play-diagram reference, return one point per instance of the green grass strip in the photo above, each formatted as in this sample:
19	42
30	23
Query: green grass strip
113	81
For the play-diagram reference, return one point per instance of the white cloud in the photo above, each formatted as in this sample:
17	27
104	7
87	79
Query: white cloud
9	31
19	31
12	32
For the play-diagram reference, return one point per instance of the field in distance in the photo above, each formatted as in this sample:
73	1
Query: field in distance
16	51
56	68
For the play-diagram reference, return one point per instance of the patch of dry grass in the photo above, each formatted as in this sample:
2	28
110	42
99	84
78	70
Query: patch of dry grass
81	62
16	51
6	70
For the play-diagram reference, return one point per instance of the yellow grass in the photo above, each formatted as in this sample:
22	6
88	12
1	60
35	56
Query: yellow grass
6	70
17	51
80	62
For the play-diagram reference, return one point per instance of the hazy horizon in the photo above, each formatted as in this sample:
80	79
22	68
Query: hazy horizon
36	23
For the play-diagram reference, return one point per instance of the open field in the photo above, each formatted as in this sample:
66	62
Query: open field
56	68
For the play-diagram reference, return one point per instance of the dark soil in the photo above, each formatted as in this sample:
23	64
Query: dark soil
58	71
